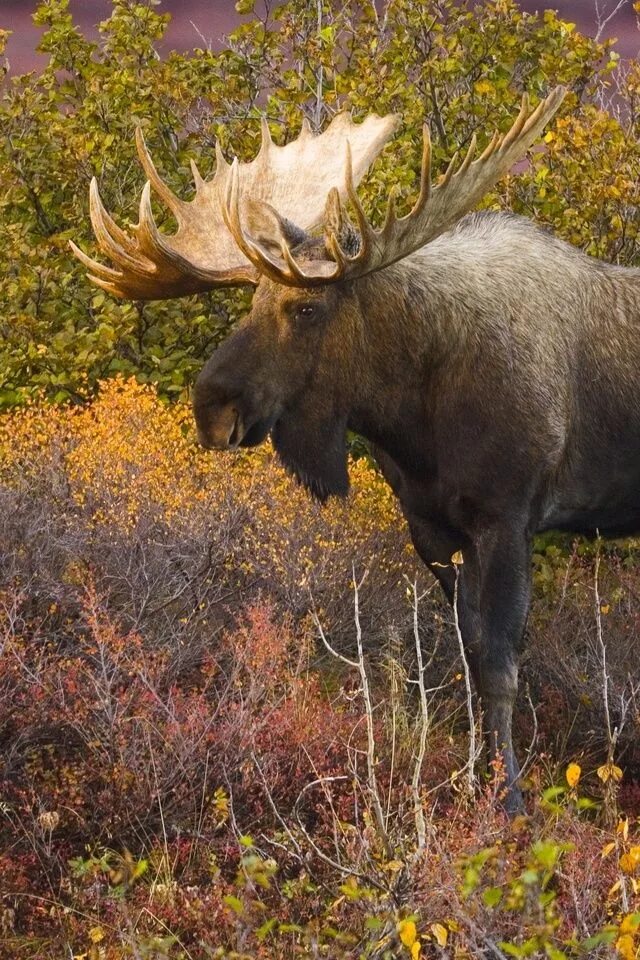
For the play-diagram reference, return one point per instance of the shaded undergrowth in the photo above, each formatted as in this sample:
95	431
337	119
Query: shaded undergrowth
187	771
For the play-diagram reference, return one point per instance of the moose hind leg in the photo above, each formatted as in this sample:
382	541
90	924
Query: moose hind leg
504	558
492	601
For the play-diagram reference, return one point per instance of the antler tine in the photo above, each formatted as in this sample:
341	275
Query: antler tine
231	215
425	169
470	154
95	268
198	179
367	233
149	167
425	174
450	170
266	138
517	127
337	253
391	215
254	251
295	273
106	222
438	208
147	230
111	239
491	147
151	241
533	120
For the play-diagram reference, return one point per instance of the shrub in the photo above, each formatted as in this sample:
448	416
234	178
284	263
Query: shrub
464	68
185	770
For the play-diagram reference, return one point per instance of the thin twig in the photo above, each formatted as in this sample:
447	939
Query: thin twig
418	813
371	741
602	23
346	871
470	766
528	760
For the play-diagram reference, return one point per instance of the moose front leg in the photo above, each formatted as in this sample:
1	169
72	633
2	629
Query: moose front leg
503	561
492	597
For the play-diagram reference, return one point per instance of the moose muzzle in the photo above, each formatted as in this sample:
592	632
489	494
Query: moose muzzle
222	430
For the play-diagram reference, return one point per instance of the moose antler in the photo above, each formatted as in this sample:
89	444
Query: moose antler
436	209
204	253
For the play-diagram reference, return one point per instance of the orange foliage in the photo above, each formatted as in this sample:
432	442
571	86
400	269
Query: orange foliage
128	454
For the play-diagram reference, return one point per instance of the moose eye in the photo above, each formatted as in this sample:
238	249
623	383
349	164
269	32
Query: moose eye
306	311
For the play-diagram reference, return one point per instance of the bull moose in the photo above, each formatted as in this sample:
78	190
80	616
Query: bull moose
494	369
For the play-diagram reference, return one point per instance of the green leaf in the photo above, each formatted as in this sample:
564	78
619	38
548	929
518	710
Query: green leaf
267	927
236	905
492	896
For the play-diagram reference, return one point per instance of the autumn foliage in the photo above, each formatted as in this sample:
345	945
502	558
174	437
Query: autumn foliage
463	66
207	750
184	763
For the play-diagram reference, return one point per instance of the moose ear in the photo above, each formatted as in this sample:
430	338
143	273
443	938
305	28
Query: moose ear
336	222
268	228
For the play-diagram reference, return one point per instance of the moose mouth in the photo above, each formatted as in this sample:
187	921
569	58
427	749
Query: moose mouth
229	429
256	434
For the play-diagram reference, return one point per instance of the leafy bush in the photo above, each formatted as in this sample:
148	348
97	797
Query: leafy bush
187	772
463	68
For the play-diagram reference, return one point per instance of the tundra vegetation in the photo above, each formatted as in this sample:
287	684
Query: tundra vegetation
188	770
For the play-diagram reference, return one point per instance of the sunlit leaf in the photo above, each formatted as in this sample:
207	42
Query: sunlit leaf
407	932
236	905
440	933
96	934
573	774
609	771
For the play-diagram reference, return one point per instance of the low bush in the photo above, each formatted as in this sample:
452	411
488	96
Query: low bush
188	771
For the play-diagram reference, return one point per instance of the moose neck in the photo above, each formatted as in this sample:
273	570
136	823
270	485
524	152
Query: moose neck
405	345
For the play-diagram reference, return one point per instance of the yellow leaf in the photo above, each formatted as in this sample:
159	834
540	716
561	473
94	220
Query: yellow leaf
440	933
457	559
606	850
623	828
415	950
484	86
625	947
628	863
630	923
573	774
407	932
609	771
604	608
96	934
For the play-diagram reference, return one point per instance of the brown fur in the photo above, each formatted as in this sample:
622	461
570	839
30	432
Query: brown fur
496	372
